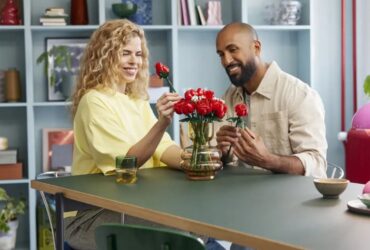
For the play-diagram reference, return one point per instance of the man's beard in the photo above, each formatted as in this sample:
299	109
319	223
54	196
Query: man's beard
247	71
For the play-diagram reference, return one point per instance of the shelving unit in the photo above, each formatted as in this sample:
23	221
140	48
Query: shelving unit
188	50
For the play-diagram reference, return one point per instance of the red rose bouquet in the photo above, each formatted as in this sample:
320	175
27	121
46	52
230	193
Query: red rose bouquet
200	108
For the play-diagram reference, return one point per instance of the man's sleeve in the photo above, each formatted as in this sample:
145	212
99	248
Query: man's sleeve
307	134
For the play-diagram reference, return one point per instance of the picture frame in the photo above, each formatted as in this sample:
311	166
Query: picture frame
57	148
63	64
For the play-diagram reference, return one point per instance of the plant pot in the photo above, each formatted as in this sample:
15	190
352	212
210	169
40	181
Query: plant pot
68	86
7	240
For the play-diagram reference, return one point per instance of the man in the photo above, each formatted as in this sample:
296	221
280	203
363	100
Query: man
286	129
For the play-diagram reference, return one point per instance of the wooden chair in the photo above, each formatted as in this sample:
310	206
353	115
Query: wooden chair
135	237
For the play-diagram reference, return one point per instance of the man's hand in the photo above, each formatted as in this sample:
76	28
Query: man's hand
226	136
165	107
251	149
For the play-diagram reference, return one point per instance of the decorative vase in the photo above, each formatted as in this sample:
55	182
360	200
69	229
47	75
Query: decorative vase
79	14
201	161
9	14
12	86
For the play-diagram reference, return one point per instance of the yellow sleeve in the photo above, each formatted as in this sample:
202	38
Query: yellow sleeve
165	142
105	136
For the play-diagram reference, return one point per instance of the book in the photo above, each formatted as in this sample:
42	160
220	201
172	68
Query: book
8	156
54	11
179	17
54	24
184	11
201	15
52	20
191	10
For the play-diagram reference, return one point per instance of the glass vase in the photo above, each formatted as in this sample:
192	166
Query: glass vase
200	161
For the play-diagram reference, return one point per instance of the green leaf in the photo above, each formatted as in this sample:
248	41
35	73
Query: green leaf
367	85
233	119
185	119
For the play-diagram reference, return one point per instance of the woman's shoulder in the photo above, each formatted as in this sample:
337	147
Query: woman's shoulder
93	95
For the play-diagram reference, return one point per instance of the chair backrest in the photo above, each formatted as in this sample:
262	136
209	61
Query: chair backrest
334	171
134	237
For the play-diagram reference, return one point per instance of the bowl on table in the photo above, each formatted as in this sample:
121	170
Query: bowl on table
124	10
365	199
331	188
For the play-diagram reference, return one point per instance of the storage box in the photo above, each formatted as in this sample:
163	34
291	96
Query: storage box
11	171
8	156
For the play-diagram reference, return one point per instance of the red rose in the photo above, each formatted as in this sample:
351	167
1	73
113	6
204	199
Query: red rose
178	106
189	94
199	92
219	108
209	94
241	109
188	107
162	70
203	107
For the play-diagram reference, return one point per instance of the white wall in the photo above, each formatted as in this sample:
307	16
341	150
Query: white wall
363	49
326	61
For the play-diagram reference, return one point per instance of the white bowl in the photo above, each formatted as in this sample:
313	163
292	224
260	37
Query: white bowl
332	187
365	198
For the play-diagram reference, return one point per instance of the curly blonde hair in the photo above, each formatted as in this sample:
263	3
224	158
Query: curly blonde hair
100	66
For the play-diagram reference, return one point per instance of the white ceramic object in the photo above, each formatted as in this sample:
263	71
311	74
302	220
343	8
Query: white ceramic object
7	240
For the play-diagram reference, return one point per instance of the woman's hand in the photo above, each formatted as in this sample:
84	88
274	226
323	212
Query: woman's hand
165	107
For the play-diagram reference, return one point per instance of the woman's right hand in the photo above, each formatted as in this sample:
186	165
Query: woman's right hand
165	107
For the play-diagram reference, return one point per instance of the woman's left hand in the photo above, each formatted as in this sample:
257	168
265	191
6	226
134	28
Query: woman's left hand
165	107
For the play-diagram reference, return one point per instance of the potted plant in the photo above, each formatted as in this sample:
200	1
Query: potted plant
10	209
61	76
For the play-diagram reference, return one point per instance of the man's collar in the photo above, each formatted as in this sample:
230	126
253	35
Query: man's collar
267	85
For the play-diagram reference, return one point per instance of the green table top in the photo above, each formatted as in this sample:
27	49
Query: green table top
259	210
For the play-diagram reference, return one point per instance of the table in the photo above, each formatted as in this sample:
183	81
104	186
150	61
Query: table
249	208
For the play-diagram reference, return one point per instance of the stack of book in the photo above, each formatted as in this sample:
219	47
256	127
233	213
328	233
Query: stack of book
54	16
9	167
190	14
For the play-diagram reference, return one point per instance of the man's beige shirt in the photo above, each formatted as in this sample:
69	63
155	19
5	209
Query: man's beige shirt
289	116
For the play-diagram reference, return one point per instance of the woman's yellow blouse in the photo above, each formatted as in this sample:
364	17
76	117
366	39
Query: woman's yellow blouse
109	124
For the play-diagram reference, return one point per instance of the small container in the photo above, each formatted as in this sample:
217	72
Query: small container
12	86
126	168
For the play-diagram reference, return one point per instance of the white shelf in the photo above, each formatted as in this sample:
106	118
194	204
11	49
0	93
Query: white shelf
12	104
51	104
63	28
11	27
18	181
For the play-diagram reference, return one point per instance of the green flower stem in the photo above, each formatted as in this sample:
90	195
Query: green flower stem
239	123
200	140
172	89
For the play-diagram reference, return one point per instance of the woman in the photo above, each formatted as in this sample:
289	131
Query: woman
113	117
